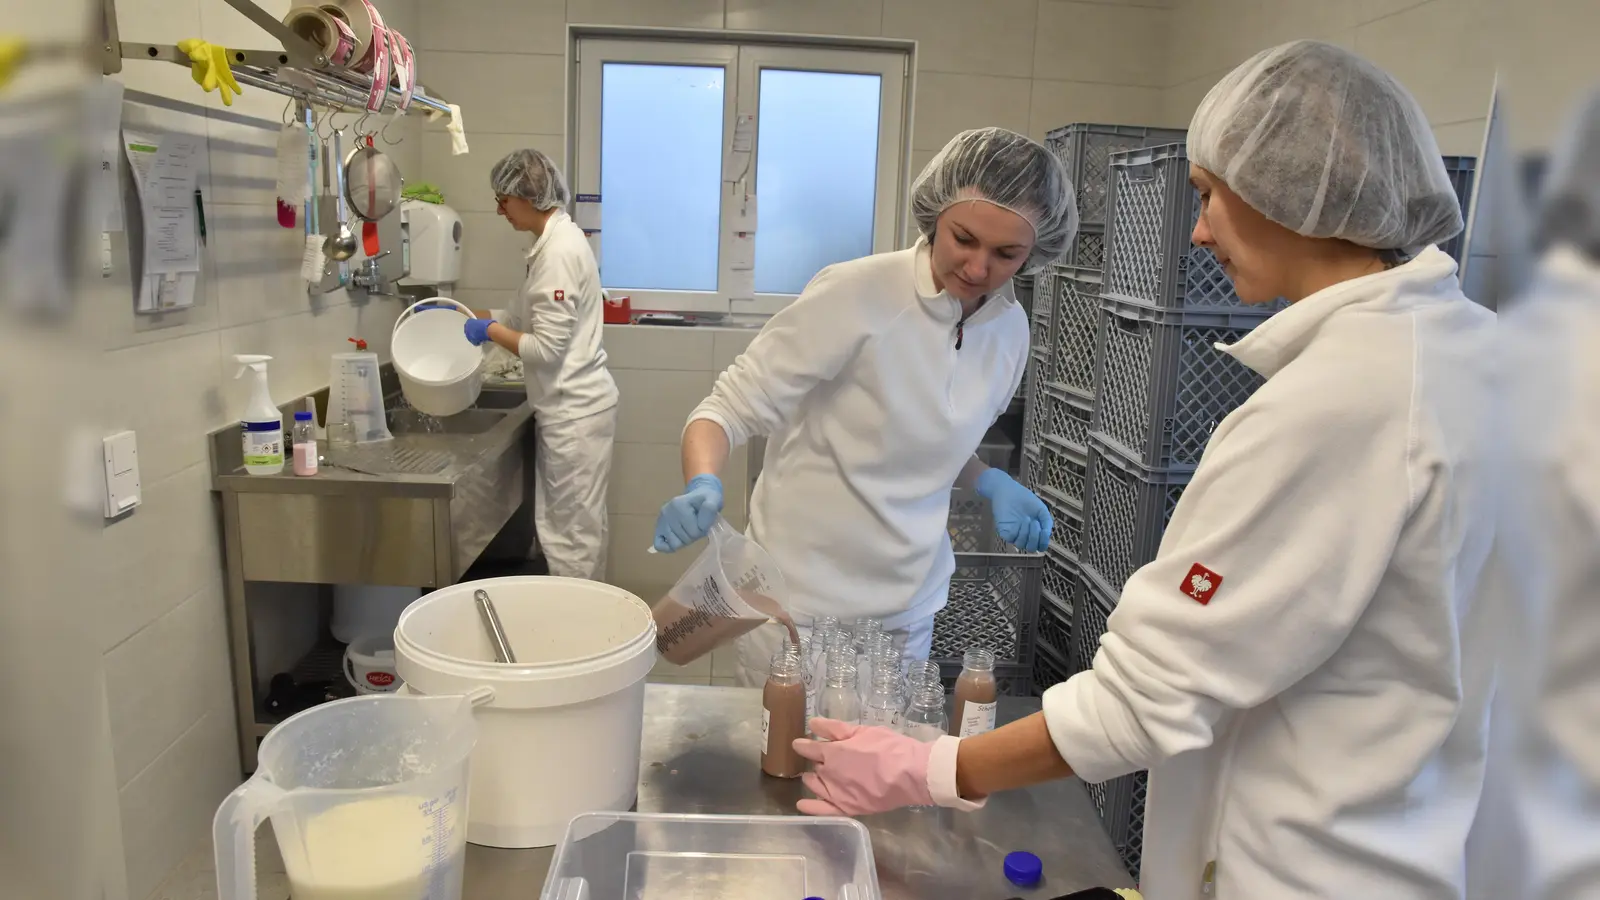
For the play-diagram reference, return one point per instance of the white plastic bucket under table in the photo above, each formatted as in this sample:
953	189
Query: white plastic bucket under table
560	735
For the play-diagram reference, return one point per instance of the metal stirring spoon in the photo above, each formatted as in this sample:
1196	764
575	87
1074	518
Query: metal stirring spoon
491	622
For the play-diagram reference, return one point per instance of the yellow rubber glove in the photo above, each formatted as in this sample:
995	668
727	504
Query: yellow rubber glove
11	50
1129	894
210	68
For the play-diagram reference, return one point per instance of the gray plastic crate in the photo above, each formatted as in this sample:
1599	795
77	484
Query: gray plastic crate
1022	287
1064	418
1031	468
1088	248
1162	386
1049	670
1074	325
1066	537
1055	605
1132	849
1064	472
1462	171
1084	150
994	593
1149	257
1124	516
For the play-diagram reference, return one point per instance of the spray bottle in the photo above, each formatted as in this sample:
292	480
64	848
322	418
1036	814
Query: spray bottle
261	426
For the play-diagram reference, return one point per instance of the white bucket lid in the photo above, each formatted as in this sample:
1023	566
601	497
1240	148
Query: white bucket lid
574	640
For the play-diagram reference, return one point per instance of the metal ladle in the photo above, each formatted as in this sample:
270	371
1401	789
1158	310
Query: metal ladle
491	623
340	245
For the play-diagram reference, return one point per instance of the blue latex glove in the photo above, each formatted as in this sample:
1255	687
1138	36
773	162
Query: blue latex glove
478	331
689	516
1020	517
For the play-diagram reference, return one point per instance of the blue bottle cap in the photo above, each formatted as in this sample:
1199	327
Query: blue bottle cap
302	416
1023	869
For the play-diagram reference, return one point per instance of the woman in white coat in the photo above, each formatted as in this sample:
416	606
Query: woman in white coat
1304	668
876	386
554	325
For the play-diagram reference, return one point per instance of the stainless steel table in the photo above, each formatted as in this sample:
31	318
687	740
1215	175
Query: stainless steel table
701	755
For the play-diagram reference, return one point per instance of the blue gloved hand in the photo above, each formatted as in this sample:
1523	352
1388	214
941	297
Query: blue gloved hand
478	331
1020	516
689	516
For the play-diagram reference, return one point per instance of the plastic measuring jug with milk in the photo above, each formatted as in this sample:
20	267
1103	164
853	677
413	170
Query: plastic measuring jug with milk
367	798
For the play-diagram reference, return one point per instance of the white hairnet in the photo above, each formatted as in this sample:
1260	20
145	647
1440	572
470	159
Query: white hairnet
1328	145
530	175
1569	202
1010	171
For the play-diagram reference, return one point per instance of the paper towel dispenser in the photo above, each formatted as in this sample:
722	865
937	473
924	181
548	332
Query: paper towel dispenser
435	242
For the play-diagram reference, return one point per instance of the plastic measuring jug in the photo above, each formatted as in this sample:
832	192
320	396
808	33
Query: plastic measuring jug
731	589
367	798
355	394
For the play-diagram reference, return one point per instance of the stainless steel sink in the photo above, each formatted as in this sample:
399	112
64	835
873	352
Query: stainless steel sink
502	398
411	423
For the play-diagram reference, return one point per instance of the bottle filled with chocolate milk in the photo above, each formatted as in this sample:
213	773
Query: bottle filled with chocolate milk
783	715
977	695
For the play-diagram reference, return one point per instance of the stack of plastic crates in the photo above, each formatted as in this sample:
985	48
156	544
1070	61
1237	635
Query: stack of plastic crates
1462	171
1161	387
994	599
1084	150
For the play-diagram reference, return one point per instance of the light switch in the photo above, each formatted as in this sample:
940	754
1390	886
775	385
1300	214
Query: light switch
122	474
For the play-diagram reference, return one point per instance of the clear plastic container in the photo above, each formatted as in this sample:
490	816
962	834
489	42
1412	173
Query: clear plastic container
367	797
612	856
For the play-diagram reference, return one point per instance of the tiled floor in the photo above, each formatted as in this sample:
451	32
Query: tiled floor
718	668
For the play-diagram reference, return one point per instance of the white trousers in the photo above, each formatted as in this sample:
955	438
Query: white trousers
756	649
571	474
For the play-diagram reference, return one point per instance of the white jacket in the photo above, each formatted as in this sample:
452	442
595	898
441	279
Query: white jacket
1317	728
560	312
872	413
1549	539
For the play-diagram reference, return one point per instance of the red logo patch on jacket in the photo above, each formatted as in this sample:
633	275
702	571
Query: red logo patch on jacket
1200	584
561	296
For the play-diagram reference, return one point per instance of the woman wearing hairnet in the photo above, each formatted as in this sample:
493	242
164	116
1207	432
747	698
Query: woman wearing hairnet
1313	709
554	326
876	386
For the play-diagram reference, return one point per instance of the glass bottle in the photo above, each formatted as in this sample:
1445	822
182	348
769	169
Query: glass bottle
884	702
924	717
783	715
303	439
920	672
838	699
977	695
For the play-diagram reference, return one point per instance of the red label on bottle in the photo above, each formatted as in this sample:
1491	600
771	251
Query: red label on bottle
380	679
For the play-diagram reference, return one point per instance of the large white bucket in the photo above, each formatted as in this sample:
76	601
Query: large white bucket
561	734
441	373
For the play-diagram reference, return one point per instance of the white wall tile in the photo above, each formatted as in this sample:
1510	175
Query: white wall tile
643	347
164	552
502	26
465	179
1058	103
284	339
633	567
1101	44
1444	59
1461	138
242	165
160	681
254	265
168	808
992	38
856	17
948	104
493	254
729	345
654	406
659	13
512	93
172	401
1179	102
644	476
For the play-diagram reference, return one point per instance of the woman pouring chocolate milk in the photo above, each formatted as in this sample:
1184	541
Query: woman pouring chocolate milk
874	389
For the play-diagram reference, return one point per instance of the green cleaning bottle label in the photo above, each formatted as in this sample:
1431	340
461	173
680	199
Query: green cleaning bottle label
263	443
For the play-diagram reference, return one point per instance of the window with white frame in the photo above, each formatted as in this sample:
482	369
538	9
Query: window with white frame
729	174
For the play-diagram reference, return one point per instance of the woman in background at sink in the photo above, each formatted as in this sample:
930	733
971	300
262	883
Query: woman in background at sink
876	386
554	325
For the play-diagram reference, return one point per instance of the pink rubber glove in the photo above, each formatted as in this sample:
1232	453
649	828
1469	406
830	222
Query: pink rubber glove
858	770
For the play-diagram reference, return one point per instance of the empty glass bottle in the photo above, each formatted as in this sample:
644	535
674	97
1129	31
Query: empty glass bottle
884	702
924	718
838	699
